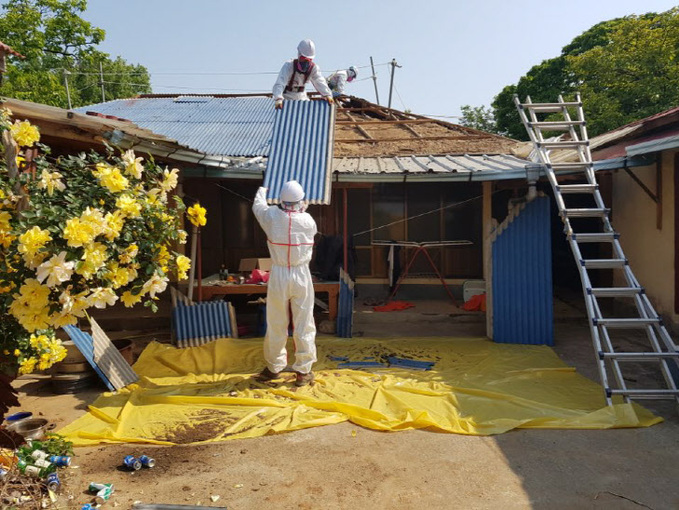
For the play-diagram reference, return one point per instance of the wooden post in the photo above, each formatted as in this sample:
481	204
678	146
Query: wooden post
344	243
487	218
192	273
199	269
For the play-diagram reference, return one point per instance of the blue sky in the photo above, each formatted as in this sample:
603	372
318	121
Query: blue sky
452	52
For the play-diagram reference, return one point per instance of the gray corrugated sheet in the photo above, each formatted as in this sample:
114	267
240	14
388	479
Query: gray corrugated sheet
301	149
464	165
231	126
201	323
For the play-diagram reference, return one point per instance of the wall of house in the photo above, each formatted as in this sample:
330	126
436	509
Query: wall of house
649	247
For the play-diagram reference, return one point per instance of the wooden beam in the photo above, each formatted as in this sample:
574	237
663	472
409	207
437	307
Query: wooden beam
487	227
381	122
642	185
354	122
423	138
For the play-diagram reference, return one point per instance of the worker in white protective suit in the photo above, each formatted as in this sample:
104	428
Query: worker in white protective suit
338	81
295	74
290	233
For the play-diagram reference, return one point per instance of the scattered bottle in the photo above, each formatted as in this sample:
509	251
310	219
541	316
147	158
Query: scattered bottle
53	482
60	460
147	461
131	462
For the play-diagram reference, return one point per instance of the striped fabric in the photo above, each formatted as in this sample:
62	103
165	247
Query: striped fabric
104	357
301	149
202	323
345	311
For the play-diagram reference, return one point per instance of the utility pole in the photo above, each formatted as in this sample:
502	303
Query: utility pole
377	95
394	64
68	92
101	82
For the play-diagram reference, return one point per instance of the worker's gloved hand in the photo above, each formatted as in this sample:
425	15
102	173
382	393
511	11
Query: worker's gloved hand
279	104
329	99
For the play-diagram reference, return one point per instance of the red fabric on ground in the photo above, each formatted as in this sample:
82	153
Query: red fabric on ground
394	306
475	303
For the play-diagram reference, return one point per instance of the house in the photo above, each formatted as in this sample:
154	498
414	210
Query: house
399	177
643	158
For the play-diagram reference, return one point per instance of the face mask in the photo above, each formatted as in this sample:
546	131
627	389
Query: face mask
303	65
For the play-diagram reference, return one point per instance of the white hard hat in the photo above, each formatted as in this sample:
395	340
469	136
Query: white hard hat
307	48
292	192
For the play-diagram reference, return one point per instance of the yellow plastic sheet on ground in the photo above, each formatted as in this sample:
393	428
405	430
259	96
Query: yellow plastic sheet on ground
477	387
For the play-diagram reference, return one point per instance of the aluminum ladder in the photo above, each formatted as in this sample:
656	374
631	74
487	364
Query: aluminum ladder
661	348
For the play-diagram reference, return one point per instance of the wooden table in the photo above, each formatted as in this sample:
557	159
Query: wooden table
209	291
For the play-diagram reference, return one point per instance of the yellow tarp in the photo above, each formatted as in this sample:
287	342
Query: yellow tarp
476	387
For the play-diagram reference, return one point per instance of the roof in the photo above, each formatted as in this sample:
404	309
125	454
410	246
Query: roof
229	126
241	125
66	127
301	149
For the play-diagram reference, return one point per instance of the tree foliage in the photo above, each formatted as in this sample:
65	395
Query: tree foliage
478	117
54	38
626	69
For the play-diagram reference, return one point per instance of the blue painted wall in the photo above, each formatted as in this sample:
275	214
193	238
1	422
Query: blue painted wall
522	278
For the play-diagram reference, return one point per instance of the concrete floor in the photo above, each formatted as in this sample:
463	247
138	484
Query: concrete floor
539	469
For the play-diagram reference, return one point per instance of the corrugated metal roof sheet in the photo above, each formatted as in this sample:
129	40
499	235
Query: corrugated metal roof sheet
301	149
231	126
522	277
465	164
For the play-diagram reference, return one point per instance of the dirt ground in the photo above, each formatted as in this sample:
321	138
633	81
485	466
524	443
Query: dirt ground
345	466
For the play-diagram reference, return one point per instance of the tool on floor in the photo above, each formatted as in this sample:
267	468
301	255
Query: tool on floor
663	350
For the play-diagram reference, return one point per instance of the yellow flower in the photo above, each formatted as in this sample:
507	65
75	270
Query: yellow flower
77	233
110	177
51	181
196	215
6	239
56	270
94	219
24	133
183	265
102	297
114	224
128	205
163	256
133	165
129	254
170	179
33	240
183	236
5	217
94	257
27	365
17	352
155	285
129	299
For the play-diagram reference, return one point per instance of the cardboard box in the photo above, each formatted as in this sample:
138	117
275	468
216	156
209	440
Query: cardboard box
247	265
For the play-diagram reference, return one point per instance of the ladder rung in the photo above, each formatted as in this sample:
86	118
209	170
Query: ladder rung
595	237
626	323
615	291
581	166
577	188
556	125
586	213
568	144
548	107
603	263
638	356
645	393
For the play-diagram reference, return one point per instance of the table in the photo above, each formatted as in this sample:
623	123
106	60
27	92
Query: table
209	290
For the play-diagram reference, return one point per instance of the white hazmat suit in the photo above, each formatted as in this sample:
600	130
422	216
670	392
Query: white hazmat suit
298	83
290	235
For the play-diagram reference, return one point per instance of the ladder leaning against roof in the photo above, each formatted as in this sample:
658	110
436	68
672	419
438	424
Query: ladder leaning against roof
662	348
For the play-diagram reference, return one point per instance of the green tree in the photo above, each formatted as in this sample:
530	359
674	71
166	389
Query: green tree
634	75
593	63
53	37
478	117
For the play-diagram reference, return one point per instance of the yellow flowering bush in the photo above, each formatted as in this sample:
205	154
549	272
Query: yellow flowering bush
86	231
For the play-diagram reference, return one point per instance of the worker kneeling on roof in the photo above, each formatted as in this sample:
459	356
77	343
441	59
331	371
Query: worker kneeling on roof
338	81
290	233
296	73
